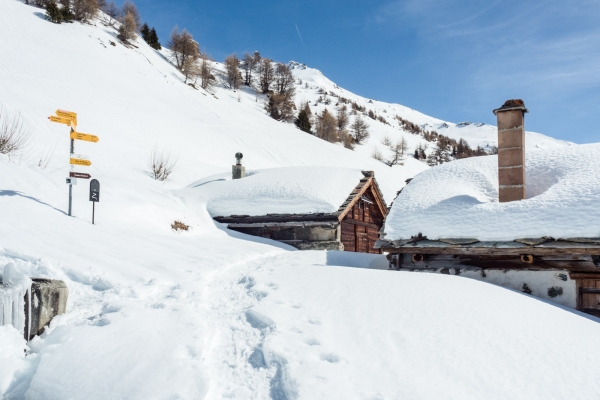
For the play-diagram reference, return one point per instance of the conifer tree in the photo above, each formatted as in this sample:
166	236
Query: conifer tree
145	32
153	40
53	12
303	121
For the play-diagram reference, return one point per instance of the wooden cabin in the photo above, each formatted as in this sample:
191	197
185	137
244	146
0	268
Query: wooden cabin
353	227
545	244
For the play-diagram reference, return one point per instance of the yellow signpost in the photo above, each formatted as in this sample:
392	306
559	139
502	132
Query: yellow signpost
84	136
69	118
63	120
79	161
66	114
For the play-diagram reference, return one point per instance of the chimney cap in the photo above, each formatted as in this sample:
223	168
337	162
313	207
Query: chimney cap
238	157
368	174
515	104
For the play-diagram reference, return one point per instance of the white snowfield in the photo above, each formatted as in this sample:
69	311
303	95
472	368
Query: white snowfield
211	313
460	199
288	190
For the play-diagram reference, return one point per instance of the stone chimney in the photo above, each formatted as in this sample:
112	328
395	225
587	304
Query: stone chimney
238	171
511	150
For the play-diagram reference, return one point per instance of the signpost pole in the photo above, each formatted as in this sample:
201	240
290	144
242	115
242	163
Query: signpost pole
72	151
93	211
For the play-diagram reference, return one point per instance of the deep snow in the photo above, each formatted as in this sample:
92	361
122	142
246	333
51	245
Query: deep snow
212	313
290	190
460	199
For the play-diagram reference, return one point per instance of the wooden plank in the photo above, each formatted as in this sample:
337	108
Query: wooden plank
469	250
361	223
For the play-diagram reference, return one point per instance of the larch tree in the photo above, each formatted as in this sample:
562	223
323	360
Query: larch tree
84	10
207	79
232	69
266	73
280	105
127	29
183	47
249	63
130	8
360	130
326	127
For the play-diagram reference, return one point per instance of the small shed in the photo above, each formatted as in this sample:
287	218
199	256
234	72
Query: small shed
310	208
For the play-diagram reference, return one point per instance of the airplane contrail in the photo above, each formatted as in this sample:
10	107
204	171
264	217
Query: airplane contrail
299	35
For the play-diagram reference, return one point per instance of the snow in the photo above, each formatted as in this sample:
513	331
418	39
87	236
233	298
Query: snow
476	134
13	289
211	313
460	199
291	190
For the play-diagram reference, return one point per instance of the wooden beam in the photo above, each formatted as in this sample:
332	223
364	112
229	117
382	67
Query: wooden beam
361	223
468	250
355	199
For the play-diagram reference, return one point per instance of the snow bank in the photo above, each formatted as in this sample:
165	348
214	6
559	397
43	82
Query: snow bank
460	199
13	289
290	190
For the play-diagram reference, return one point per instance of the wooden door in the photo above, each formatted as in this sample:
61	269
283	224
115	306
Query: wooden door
362	240
589	296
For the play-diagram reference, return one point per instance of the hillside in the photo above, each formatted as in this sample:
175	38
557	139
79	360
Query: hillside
211	313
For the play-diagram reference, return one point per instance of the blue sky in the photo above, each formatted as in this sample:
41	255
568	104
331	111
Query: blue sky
452	60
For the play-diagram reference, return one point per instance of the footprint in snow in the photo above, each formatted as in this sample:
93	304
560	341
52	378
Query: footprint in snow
330	358
312	342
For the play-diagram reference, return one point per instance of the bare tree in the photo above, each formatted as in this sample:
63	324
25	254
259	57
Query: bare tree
342	118
360	130
386	141
207	79
110	13
191	71
232	67
326	127
398	152
249	63
129	7
14	133
161	164
183	47
84	10
266	74
376	154
127	28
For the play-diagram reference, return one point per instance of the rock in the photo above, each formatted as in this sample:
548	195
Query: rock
48	299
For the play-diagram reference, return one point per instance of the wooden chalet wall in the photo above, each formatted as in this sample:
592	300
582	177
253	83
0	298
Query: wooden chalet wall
360	226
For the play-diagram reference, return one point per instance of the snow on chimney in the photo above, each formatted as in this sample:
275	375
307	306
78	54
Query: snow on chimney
238	171
511	150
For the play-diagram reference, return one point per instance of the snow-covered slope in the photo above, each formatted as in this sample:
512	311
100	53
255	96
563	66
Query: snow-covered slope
211	313
460	199
476	134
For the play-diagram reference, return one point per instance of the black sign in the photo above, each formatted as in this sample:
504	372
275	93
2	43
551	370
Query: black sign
94	190
79	175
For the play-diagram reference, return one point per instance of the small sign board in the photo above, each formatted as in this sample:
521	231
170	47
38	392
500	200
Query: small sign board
79	161
71	181
63	120
95	190
79	175
67	114
84	136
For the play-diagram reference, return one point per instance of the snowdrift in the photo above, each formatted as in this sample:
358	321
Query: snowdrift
460	199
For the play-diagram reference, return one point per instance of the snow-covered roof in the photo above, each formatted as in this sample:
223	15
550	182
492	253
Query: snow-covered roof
288	190
460	199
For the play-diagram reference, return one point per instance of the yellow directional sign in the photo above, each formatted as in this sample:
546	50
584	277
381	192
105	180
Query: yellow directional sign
84	136
79	161
66	114
63	120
